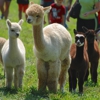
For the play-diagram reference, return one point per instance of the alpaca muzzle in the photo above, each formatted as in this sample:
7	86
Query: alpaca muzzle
17	34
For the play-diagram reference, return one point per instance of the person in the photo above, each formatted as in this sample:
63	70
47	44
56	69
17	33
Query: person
46	3
2	8
87	15
57	13
99	19
5	5
67	4
22	6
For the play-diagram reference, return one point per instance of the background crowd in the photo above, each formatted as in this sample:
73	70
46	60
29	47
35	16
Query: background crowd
59	12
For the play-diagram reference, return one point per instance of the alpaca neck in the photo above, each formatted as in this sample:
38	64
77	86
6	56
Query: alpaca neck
90	49
13	45
38	37
79	52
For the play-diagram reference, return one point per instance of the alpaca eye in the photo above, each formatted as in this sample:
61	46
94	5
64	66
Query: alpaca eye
37	16
12	30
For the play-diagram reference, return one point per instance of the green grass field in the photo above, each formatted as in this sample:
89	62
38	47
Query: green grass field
29	91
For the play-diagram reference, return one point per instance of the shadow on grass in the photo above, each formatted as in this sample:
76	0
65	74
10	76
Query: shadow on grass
90	83
2	76
36	95
6	91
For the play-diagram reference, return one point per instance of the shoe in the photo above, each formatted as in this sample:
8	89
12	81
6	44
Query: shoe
2	16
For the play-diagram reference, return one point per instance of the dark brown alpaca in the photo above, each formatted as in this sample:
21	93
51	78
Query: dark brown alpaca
80	63
93	52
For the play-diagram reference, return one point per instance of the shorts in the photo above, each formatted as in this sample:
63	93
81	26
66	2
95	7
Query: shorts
45	4
22	7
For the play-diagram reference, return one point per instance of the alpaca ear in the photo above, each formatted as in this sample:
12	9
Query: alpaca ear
84	29
47	9
75	31
31	3
20	22
97	31
8	22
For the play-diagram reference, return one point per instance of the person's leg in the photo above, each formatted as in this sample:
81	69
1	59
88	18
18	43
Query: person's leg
65	24
7	5
20	11
2	8
24	9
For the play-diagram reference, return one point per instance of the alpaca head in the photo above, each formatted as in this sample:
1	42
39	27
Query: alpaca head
35	13
79	38
90	34
14	28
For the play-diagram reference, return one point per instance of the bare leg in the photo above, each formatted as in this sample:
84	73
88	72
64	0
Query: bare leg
20	15
7	5
2	7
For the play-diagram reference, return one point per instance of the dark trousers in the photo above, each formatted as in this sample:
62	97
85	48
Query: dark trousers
88	23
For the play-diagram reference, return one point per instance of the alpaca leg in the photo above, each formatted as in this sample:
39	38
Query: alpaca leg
94	67
18	76
64	69
81	82
53	75
42	75
70	81
9	76
74	80
86	75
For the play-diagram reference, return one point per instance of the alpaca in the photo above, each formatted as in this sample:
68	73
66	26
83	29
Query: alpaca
2	41
93	52
51	47
98	36
79	64
13	55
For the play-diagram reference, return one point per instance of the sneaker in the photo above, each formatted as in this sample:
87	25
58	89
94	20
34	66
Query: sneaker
2	16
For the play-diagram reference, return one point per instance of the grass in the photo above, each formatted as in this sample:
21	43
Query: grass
29	91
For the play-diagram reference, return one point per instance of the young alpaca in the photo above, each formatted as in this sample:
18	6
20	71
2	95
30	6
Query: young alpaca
52	47
2	41
13	55
93	52
79	64
98	36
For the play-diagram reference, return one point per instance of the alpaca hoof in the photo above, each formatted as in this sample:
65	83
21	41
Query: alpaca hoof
80	93
74	91
62	90
8	88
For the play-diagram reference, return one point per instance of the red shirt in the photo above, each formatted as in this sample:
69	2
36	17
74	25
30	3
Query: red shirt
56	13
99	17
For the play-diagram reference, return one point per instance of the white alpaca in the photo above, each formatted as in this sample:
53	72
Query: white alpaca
2	41
51	47
13	55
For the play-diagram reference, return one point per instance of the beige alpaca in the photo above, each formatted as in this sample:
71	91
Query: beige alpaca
13	55
2	41
51	47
